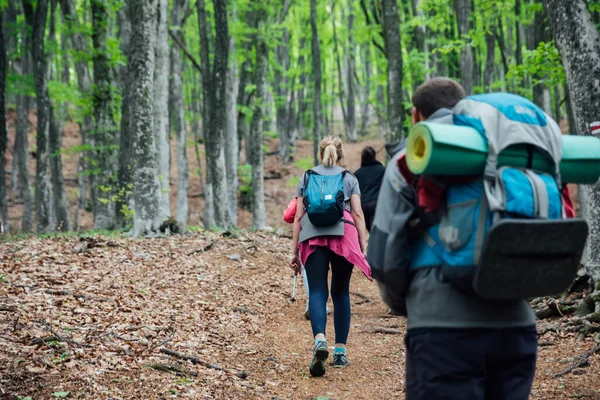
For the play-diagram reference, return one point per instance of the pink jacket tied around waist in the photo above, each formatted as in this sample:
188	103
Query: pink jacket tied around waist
346	246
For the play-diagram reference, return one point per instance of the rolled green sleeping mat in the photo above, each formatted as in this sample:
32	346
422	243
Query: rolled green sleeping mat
440	149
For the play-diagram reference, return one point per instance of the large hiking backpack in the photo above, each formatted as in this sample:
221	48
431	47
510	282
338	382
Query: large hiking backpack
505	236
324	197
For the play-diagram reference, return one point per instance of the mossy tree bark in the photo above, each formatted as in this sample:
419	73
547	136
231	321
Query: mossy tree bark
161	109
393	47
3	133
578	41
316	73
259	219
146	188
178	116
36	16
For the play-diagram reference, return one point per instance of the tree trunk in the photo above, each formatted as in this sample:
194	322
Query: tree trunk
79	43
280	87
578	41
499	32
196	129
11	35
243	102
380	111
146	188
125	201
350	73
570	116
126	162
439	63
349	110
22	146
104	138
209	214
259	219
302	106
541	94
292	125
124	28
316	72
179	117
518	33
557	103
161	108
421	36
488	74
232	153
61	204
393	46
366	90
3	132
463	15
44	201
340	79
215	135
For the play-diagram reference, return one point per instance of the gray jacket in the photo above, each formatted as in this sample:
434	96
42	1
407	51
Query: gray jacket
423	296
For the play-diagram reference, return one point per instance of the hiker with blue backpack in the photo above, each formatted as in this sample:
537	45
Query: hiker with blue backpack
460	255
329	229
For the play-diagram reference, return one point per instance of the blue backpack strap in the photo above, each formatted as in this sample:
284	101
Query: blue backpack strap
307	173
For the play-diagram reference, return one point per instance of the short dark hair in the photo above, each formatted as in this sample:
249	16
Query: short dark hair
436	93
368	154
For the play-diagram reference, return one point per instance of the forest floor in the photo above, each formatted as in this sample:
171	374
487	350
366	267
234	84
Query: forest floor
89	316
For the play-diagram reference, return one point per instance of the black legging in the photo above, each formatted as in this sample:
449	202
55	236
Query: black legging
369	212
317	268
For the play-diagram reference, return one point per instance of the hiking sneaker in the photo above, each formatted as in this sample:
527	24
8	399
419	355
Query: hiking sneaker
320	354
340	360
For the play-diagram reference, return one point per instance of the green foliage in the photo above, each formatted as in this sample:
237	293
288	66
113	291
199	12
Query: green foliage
61	93
17	84
270	134
542	65
60	394
292	182
305	163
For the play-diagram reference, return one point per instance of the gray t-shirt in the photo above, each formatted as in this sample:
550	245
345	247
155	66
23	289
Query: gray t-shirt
350	182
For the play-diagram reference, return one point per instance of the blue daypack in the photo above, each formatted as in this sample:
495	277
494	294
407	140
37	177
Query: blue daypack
504	235
324	197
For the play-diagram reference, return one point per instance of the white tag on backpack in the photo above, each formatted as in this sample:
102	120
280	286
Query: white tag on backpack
328	197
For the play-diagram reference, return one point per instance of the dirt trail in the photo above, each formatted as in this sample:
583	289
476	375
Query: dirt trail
92	324
377	367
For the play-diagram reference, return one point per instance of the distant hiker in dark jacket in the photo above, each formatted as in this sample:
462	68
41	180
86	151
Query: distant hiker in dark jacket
459	346
369	175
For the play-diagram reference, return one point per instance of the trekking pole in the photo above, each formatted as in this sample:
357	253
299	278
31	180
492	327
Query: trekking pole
293	299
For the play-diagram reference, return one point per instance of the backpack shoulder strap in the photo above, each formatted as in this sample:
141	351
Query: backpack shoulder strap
307	173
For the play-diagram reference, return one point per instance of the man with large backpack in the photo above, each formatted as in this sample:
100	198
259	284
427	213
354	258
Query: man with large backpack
459	345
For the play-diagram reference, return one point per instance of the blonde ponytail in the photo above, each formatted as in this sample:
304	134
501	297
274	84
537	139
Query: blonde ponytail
330	156
331	151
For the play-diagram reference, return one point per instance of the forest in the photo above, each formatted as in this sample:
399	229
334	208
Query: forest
219	78
124	119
